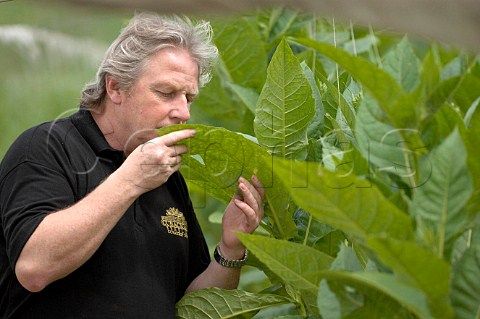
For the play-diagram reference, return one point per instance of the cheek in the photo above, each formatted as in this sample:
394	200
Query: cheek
160	110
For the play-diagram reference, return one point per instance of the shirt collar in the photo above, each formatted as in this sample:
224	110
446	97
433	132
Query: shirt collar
90	131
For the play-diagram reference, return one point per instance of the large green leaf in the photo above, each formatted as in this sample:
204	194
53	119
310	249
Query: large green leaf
442	124
462	89
319	235
470	137
335	304
380	285
218	157
430	72
314	129
465	291
285	107
295	264
304	267
242	54
337	102
438	204
247	95
278	22
418	267
383	145
215	106
215	303
343	201
403	65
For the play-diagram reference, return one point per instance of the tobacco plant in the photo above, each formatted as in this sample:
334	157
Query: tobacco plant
366	145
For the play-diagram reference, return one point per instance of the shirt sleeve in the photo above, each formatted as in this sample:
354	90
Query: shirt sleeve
28	193
32	185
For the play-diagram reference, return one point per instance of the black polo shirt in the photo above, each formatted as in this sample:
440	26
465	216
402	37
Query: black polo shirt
146	262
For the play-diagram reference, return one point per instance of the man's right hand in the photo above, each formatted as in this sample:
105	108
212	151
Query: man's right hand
151	164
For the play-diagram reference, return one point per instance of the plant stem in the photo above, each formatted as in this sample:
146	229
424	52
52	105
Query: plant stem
307	232
353	39
413	183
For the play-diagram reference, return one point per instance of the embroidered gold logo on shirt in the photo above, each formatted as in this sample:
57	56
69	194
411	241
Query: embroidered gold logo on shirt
175	222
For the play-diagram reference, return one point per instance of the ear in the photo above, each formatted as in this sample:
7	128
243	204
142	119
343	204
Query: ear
113	89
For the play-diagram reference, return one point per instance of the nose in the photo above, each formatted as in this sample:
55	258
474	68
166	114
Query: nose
182	109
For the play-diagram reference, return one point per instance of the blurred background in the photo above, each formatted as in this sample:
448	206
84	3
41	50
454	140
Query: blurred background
48	51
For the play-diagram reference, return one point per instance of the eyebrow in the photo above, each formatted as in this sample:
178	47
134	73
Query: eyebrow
168	86
165	85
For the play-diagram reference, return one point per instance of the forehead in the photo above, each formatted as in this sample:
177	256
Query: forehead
172	62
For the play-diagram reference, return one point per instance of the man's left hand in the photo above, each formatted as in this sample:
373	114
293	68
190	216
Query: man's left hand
243	214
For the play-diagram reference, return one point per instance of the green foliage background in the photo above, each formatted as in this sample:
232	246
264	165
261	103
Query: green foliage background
365	142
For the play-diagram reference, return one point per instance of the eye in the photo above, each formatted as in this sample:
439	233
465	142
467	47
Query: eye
191	98
166	94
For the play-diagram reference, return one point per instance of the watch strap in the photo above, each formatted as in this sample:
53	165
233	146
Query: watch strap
237	263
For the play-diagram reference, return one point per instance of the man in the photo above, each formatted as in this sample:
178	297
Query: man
96	219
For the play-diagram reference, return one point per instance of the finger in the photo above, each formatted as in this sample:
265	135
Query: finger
249	200
253	219
250	194
177	164
179	150
147	145
176	160
258	186
173	138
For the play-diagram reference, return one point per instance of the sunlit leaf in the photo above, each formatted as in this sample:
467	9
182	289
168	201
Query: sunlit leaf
215	303
438	204
343	201
418	267
297	265
465	293
403	65
285	107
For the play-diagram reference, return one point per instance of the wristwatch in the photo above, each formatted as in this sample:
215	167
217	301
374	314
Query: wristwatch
238	263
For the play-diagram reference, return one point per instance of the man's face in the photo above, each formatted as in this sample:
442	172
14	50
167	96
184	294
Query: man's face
161	96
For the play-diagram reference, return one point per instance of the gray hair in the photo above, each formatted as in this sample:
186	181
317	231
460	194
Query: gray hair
146	34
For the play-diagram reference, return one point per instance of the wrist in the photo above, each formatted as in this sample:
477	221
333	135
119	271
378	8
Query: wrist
229	263
236	251
129	189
